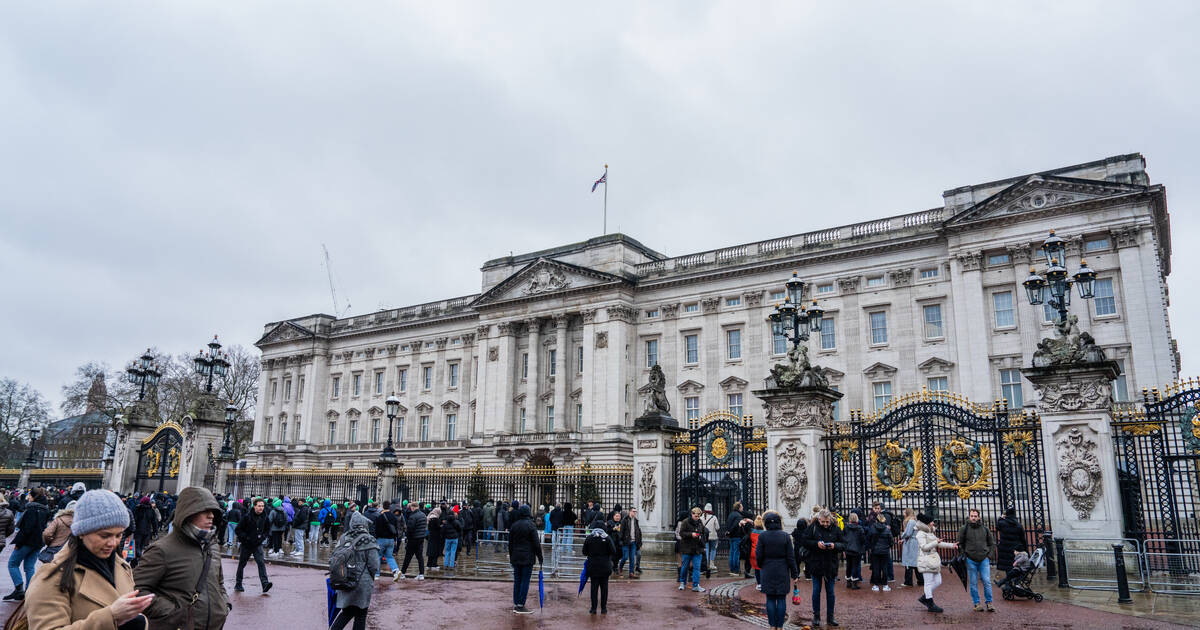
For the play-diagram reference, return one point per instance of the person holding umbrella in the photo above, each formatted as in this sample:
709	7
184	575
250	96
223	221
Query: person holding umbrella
600	550
977	544
929	563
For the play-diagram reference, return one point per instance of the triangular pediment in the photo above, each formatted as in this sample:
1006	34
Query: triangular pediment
546	276
690	387
935	365
878	370
733	383
1037	193
285	331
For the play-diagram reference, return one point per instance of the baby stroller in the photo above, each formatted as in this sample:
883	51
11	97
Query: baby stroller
1016	583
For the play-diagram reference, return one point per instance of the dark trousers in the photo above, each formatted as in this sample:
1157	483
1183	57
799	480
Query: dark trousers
908	579
468	543
140	542
348	614
600	584
436	544
818	580
776	610
413	549
247	550
521	577
879	568
276	541
853	567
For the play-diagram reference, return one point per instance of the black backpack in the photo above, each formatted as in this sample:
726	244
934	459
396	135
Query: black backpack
330	517
278	518
345	565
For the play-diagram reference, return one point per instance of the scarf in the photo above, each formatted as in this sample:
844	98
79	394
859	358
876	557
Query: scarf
104	566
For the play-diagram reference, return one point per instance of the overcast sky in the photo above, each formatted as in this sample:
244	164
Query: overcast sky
170	170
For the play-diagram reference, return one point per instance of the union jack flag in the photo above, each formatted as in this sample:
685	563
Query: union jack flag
603	180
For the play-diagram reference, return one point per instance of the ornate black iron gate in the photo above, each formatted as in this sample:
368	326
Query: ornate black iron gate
938	453
158	459
1157	448
720	459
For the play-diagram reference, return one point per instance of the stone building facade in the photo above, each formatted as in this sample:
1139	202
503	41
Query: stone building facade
549	362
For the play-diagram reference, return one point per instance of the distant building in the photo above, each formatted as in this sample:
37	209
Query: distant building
549	363
79	441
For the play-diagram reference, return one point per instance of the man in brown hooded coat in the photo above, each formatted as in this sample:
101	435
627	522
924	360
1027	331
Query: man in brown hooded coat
171	566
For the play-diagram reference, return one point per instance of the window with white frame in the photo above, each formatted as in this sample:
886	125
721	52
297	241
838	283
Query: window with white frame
876	281
379	383
879	331
400	428
287	390
283	430
777	296
733	343
998	259
336	387
402	379
933	321
578	415
837	404
374	429
1121	385
1049	314
938	384
274	388
451	425
652	313
1105	300
694	307
550	418
651	352
427	377
300	389
828	334
357	384
553	356
579	360
1002	306
296	430
931	272
423	425
691	345
733	301
452	374
882	392
1095	245
333	432
521	427
354	431
825	288
691	408
1010	388
735	404
778	344
524	365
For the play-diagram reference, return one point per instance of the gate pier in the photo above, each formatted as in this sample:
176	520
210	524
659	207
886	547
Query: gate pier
797	420
1075	404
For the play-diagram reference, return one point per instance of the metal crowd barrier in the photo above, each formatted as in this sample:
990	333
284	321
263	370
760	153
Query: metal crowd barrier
1173	565
563	553
1091	564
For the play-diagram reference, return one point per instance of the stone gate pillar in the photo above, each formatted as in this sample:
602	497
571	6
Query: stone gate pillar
654	476
1075	403
797	419
387	479
131	429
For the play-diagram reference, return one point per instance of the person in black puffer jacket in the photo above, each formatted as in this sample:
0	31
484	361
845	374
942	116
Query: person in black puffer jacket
27	543
524	546
1010	538
601	551
825	543
856	543
879	549
452	529
416	530
798	545
776	558
252	532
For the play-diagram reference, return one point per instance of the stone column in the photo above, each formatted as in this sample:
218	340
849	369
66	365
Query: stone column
221	483
796	420
654	477
23	480
560	371
484	412
387	479
972	324
1075	404
532	379
592	372
504	384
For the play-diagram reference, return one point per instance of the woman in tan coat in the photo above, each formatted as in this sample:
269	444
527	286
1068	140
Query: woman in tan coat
57	532
87	586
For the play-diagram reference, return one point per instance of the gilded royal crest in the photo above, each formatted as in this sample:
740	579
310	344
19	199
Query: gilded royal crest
963	466
718	448
1018	441
846	448
1190	428
896	468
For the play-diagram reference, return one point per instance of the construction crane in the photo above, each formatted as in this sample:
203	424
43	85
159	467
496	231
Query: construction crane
332	291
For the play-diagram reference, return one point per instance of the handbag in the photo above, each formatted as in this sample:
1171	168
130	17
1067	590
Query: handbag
46	555
183	618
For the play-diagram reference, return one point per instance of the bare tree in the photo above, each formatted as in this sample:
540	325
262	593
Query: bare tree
240	387
21	409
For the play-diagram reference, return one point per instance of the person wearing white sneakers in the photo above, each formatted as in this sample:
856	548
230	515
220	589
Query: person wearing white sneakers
879	546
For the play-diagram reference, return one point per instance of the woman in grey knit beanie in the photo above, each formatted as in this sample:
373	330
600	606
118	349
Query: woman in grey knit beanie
88	562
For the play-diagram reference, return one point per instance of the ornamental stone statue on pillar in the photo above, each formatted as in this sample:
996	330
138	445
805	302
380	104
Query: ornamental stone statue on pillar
658	408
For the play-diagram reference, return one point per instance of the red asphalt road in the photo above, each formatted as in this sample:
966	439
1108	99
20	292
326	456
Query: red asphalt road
297	601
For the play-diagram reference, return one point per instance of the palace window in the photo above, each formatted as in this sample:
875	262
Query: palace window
579	360
287	390
1106	301
933	321
828	334
374	429
553	356
777	296
282	430
453	374
694	307
938	384
379	383
691	408
521	428
427	377
524	365
1002	303
882	392
998	259
1010	388
837	404
1121	385
400	428
733	301
778	344
274	387
578	415
354	431
550	418
424	429
691	345
876	281
451	422
652	313
300	389
825	288
926	274
337	387
651	352
402	379
1096	245
735	404
357	384
733	343
879	332
333	432
296	438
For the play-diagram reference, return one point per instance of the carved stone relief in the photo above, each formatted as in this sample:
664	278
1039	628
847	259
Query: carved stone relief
1079	472
648	487
1125	237
710	304
589	315
848	285
602	339
901	277
670	311
1071	395
792	475
970	261
546	279
621	313
493	353
752	298
791	412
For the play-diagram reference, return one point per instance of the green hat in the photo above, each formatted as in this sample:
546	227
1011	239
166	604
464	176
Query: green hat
277	503
404	502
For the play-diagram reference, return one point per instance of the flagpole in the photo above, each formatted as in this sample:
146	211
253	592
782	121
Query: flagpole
605	199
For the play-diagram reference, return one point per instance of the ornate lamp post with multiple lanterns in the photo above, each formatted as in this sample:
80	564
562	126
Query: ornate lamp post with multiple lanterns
30	462
212	363
792	322
1054	289
393	410
230	415
143	371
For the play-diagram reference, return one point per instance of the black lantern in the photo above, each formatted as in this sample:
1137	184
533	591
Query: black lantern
30	462
793	319
1085	281
393	410
212	363
230	416
1035	288
143	371
1054	289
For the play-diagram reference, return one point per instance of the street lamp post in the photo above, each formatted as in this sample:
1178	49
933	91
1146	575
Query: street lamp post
143	371
792	322
230	416
393	410
30	462
211	363
1055	288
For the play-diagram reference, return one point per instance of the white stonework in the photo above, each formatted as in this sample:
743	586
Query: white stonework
607	297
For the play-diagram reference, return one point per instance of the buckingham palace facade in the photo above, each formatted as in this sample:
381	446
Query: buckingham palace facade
548	364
